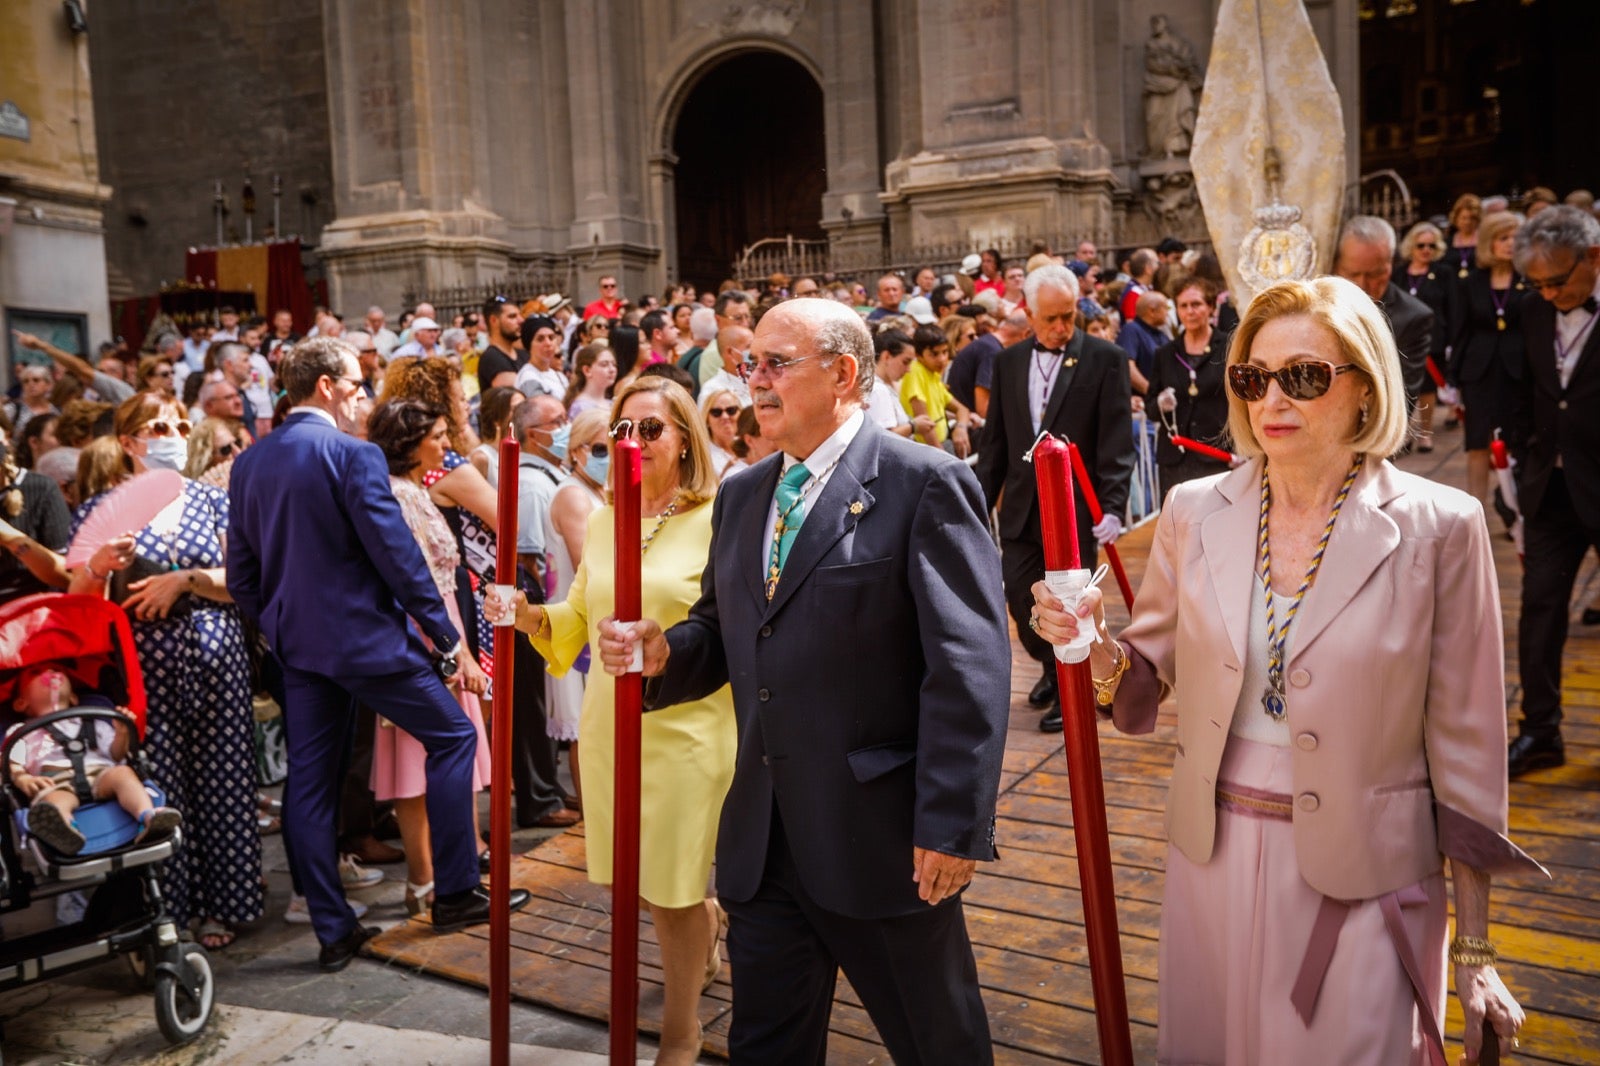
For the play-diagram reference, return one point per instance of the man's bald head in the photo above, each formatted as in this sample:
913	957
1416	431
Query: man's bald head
733	342
1151	308
831	328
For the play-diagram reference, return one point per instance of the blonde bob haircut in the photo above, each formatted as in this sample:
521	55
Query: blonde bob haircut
1492	228
696	478
1364	338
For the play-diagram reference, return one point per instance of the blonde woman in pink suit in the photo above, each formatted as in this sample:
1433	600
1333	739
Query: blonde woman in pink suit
1329	628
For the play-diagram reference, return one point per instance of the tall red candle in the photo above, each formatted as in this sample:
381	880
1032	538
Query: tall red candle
505	568
625	484
1052	461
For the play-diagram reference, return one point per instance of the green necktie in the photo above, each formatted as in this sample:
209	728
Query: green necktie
791	514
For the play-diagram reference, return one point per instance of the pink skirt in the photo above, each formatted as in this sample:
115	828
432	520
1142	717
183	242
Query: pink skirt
399	761
1234	933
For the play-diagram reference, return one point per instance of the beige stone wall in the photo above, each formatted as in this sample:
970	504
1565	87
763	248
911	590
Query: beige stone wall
51	251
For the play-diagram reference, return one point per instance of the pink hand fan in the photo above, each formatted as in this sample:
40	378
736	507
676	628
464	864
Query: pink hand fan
127	508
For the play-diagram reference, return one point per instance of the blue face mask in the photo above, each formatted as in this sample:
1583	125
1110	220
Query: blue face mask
558	442
166	453
597	467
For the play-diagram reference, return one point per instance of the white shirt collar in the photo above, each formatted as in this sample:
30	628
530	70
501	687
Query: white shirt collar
319	412
831	449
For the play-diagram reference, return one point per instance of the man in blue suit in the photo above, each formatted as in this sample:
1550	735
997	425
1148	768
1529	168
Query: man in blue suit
853	601
320	557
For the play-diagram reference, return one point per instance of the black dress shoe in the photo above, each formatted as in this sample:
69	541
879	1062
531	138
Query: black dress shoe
1528	754
1043	692
470	907
1051	721
337	955
1591	616
483	861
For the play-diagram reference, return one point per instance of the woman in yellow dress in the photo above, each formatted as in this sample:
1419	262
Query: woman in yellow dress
687	751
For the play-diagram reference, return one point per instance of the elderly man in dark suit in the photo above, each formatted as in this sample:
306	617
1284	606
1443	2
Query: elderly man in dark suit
320	557
1366	257
1077	387
1554	434
870	669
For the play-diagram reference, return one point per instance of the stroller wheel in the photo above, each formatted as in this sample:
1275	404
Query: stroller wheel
185	992
142	964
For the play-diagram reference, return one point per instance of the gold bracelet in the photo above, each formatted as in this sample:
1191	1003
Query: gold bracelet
542	629
89	566
1472	951
1105	691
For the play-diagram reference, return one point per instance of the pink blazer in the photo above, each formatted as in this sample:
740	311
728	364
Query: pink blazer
1396	677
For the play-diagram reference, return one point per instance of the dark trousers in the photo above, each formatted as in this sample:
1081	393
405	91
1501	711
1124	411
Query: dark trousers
358	809
319	714
1021	564
533	753
915	975
1555	542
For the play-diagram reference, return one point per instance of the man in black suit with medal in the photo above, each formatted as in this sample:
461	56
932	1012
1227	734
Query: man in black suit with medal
1554	435
1078	388
852	601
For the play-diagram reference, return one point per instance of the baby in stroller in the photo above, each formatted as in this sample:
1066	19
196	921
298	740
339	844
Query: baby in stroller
57	774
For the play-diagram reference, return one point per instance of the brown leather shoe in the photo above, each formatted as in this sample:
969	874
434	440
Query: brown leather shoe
375	852
560	818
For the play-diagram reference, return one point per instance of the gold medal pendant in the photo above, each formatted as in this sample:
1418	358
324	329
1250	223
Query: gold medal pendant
1500	324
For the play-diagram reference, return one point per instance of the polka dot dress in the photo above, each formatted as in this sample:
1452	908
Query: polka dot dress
200	733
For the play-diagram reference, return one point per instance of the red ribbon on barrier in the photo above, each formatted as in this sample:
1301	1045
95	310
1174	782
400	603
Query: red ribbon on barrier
1189	444
1058	521
505	569
625	485
1113	556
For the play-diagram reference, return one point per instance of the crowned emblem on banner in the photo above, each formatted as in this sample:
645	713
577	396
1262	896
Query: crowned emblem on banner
1277	248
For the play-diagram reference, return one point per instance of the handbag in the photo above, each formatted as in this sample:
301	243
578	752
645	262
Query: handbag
138	570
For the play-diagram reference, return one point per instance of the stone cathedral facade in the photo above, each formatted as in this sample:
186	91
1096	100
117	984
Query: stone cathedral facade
421	144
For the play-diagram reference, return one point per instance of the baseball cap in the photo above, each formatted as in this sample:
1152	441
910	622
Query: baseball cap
423	322
972	264
920	309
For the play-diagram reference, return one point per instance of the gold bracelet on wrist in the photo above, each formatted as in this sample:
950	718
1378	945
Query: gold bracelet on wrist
1105	690
542	629
1472	951
89	566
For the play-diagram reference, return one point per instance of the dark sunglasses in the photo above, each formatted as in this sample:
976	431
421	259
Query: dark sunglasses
650	429
160	427
1305	380
1425	244
723	412
599	450
227	450
1558	282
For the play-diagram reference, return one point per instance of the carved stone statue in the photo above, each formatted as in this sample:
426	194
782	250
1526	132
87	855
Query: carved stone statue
1172	80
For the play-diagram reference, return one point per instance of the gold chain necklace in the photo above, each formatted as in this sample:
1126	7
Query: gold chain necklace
672	509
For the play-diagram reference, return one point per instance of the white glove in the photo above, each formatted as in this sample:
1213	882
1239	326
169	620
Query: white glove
1167	400
1107	530
1448	396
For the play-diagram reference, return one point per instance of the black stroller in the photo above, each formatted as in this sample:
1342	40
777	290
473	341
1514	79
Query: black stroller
125	913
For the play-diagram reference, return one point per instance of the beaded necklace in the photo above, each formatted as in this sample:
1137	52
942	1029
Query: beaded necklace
1273	700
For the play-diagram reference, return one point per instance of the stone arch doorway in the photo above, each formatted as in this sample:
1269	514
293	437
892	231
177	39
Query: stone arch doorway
750	161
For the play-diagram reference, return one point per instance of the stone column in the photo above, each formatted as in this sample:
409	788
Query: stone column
1002	151
852	208
610	232
406	140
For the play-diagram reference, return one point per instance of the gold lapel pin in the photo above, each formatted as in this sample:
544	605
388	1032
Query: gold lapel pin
855	507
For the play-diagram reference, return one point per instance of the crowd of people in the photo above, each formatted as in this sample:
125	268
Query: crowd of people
287	520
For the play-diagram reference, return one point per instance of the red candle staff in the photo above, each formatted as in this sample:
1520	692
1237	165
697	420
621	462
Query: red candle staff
1059	524
505	568
1113	556
629	706
1191	445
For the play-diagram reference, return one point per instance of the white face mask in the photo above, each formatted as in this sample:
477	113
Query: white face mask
166	453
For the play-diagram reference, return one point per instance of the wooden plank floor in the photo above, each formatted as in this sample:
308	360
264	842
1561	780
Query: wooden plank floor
1025	915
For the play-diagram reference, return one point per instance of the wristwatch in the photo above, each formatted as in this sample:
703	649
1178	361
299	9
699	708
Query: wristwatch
444	662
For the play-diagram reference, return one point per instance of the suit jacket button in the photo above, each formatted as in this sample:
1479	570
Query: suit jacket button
1308	802
1562	405
766	631
1306	742
763	695
765	761
1300	678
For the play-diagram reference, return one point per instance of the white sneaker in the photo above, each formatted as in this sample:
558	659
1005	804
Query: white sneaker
355	876
297	913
